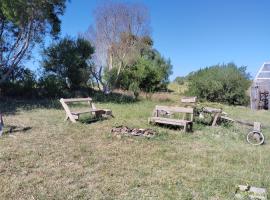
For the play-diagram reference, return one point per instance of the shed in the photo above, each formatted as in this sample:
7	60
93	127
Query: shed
260	89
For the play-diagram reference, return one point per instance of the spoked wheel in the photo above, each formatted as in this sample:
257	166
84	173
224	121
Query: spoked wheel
255	138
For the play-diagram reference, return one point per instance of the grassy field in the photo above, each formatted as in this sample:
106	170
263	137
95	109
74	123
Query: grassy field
50	159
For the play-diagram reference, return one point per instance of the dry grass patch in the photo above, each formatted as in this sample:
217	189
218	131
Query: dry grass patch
57	160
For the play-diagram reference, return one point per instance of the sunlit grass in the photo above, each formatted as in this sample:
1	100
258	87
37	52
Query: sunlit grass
60	160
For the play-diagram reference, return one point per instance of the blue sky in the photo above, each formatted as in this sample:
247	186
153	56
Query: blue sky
196	33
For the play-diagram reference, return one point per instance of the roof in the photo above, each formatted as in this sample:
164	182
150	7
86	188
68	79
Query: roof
264	72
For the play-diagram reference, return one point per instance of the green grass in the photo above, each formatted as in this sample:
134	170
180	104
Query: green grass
53	159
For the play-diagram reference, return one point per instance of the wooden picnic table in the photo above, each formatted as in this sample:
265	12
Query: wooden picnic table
215	113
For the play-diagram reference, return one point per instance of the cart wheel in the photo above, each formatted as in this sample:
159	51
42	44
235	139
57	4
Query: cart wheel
255	138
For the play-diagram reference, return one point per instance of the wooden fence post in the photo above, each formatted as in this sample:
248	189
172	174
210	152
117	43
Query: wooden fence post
1	124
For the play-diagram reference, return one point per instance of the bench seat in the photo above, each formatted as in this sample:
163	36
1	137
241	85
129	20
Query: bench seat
74	115
177	122
159	118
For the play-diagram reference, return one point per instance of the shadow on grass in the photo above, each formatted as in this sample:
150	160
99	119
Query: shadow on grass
15	129
114	97
10	106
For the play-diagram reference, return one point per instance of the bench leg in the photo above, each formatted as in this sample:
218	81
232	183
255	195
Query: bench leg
190	127
185	127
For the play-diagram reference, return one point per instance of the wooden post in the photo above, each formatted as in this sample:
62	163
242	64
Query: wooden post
69	115
215	119
1	124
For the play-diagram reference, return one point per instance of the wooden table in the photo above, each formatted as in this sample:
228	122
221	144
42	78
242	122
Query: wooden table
215	112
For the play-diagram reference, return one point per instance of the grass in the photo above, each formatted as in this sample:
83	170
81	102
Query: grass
56	160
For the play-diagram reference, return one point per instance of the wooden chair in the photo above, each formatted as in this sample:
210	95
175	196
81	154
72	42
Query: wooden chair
75	115
159	117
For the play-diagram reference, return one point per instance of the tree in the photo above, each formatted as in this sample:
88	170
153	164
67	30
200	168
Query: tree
70	61
117	27
23	23
225	83
149	73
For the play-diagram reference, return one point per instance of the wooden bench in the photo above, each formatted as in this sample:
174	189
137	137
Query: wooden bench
163	115
75	115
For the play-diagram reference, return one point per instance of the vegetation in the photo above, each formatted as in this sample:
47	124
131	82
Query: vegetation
148	73
23	24
43	157
69	61
225	83
51	159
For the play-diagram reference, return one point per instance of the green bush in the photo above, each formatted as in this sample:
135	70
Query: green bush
52	86
21	83
225	83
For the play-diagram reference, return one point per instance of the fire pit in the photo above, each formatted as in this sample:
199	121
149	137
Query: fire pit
124	130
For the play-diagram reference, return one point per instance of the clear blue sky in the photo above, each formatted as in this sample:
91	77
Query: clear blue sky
196	33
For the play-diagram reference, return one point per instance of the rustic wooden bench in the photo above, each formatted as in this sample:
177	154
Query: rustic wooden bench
189	101
75	115
163	115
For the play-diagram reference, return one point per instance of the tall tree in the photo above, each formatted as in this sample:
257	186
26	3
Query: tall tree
23	23
70	61
117	25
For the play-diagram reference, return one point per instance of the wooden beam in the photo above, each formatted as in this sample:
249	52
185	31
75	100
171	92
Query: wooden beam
66	108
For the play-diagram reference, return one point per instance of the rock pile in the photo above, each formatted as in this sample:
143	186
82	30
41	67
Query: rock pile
124	130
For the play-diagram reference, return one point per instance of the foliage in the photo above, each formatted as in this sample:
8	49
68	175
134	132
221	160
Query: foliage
24	23
149	73
69	60
21	83
225	83
52	86
180	80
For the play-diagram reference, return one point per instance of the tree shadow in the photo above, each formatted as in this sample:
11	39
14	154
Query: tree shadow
9	106
9	129
113	97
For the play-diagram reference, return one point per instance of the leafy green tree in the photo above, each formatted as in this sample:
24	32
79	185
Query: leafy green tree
149	73
70	61
225	83
180	80
24	23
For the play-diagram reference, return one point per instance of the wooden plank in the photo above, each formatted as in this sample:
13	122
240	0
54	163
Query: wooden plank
189	99
86	111
215	119
178	122
77	100
211	110
66	108
257	127
175	109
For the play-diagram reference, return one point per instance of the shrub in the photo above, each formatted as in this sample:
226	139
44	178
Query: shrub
21	83
220	83
52	86
70	60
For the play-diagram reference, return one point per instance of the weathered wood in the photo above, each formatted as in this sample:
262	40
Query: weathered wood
175	109
246	191
257	127
66	108
212	110
77	100
157	116
170	121
75	115
216	116
188	99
